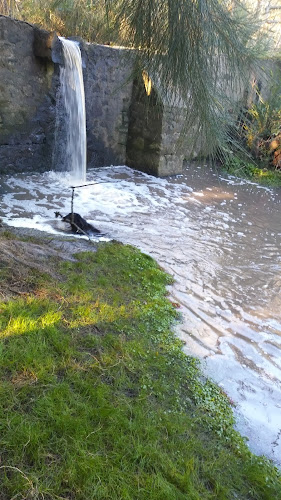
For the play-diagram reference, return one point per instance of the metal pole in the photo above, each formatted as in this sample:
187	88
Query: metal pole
72	202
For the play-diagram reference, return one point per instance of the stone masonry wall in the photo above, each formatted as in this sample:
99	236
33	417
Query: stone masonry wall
108	90
27	100
28	91
145	130
124	124
29	81
173	149
154	142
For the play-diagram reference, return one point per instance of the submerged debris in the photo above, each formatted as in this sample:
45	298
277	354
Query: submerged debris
79	225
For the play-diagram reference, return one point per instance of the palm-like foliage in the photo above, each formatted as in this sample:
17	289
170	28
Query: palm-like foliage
261	127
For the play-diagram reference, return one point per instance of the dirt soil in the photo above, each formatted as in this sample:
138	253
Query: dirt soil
25	252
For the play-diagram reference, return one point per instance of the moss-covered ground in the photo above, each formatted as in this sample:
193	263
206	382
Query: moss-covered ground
98	400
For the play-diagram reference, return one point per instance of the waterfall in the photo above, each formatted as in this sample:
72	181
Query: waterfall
72	98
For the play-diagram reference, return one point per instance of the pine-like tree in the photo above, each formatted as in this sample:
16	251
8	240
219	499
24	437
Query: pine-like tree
201	52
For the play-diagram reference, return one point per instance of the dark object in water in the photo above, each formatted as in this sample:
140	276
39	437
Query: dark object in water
78	224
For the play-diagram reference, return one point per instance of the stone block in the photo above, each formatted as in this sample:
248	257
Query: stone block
43	43
170	165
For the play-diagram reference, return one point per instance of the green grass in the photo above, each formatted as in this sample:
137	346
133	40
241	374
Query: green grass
247	170
98	401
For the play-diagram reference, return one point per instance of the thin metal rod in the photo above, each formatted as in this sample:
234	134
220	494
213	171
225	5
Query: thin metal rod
72	203
92	184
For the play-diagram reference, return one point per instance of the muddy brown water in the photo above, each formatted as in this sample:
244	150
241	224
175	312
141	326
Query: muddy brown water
220	239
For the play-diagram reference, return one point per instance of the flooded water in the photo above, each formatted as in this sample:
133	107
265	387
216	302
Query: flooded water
220	239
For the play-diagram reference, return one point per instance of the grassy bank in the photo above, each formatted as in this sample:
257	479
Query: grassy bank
97	399
252	171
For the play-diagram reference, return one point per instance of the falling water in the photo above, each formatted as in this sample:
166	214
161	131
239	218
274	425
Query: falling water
73	100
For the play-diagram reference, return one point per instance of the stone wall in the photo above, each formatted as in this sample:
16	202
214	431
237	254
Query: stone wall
123	125
145	130
108	90
173	146
28	91
29	81
27	100
154	142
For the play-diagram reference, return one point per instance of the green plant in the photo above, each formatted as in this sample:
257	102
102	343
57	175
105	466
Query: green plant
240	167
262	126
